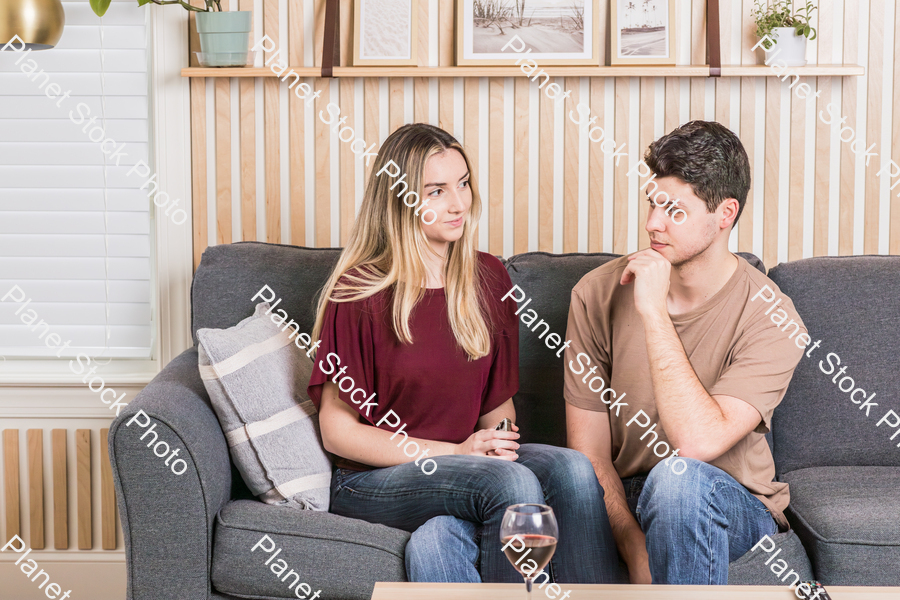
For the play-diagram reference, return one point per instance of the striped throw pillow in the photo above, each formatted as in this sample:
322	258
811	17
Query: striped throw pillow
256	378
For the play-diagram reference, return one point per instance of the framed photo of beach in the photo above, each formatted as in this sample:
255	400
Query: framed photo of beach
384	32
550	32
643	32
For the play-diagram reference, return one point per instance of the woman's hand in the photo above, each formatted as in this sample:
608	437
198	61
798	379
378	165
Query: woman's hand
492	443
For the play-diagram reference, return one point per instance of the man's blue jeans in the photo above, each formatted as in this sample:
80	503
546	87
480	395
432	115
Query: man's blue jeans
478	490
695	524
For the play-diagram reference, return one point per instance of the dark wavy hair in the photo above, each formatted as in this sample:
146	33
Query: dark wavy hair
709	157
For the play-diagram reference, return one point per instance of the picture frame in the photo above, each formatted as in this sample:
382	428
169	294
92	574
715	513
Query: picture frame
385	32
648	29
571	28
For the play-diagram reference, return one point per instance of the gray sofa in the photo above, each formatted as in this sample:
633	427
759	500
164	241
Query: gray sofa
190	536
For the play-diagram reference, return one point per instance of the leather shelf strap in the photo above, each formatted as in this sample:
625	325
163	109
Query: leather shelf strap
712	38
331	49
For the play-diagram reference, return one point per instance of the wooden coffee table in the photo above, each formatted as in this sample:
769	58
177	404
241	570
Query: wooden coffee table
509	591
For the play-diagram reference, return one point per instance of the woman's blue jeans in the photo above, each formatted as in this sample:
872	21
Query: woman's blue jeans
474	492
695	524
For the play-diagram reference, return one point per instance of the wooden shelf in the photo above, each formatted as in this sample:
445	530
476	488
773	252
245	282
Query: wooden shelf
514	71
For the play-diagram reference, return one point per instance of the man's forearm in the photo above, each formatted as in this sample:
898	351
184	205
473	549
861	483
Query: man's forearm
686	411
629	538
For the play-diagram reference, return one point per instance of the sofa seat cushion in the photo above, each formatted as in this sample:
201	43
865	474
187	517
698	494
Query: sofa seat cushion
342	557
847	519
751	568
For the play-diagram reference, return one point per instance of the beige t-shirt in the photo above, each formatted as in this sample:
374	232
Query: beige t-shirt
735	350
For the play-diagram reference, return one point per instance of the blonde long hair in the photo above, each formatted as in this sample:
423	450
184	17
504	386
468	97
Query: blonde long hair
387	246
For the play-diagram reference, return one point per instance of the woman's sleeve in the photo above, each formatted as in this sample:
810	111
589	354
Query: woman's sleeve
346	350
503	380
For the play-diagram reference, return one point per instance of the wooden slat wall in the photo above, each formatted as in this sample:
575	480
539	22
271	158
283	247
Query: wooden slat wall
539	177
87	477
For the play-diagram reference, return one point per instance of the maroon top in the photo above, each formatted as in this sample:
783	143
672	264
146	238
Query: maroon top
430	384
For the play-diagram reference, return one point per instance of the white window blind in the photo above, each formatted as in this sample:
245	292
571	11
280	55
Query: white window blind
74	227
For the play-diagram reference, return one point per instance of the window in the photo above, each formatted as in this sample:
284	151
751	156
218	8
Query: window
75	229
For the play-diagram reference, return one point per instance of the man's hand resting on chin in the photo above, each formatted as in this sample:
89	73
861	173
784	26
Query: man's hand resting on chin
650	271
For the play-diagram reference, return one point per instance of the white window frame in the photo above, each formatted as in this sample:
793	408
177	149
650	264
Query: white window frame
170	149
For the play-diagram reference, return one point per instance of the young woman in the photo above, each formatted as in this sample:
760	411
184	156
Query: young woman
412	316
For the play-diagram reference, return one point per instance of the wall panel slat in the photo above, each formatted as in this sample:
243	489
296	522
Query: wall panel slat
521	174
849	91
495	197
11	481
223	160
620	181
348	162
545	184
773	166
323	170
873	126
748	124
107	496
894	194
198	167
570	169
470	129
645	136
596	197
60	490
797	170
83	487
36	488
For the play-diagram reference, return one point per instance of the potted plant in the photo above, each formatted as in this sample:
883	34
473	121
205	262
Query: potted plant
224	35
790	31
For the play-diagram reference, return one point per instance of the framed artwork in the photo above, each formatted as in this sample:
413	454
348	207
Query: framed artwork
550	32
643	32
385	32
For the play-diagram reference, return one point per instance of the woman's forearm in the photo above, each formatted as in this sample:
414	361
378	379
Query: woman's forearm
379	448
344	435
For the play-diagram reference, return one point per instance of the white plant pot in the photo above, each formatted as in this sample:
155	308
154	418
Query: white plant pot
788	47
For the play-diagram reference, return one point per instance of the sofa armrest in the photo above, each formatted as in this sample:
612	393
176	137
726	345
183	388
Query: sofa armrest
168	518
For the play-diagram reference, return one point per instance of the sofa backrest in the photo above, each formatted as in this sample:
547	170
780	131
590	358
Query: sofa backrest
230	275
851	304
547	279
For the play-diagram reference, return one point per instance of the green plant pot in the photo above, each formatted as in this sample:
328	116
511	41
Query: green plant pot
225	36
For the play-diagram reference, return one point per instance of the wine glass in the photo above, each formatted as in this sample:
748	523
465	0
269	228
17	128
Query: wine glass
528	534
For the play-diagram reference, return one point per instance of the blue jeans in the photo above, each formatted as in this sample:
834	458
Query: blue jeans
478	490
695	524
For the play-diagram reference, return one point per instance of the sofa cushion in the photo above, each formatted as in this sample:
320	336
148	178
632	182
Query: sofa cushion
547	280
847	519
342	557
256	376
851	304
751	568
230	275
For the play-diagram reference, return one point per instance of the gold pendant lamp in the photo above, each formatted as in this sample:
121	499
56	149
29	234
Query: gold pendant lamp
38	23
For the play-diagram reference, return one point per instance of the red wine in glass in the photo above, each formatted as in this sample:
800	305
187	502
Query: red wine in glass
529	534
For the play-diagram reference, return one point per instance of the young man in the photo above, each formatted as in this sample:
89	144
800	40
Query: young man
677	329
692	366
